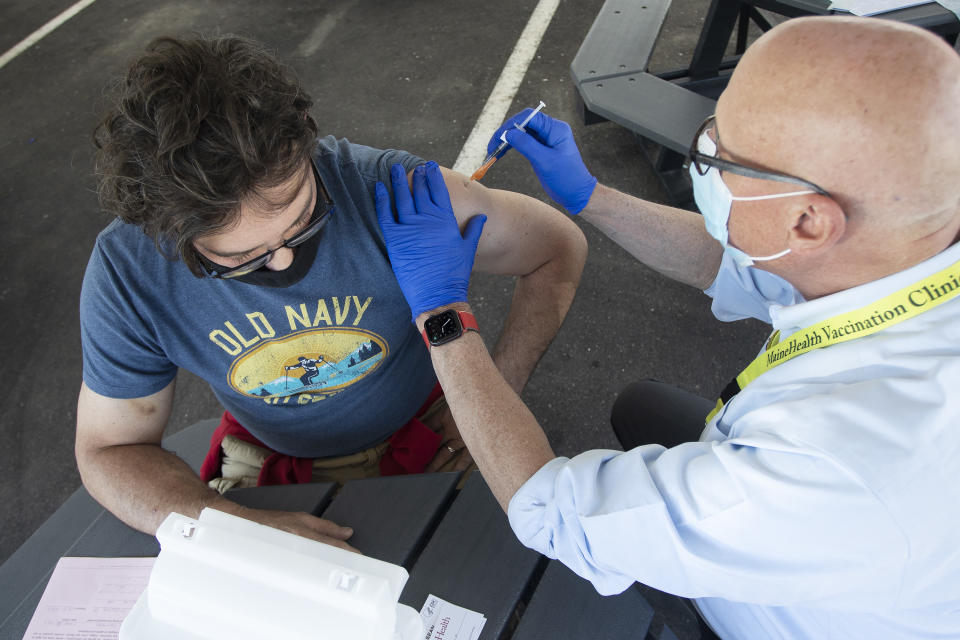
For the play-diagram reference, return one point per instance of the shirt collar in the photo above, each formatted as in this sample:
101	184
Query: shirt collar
805	314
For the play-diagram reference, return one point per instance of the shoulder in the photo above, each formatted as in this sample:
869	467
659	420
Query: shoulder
124	258
119	233
120	244
883	406
341	156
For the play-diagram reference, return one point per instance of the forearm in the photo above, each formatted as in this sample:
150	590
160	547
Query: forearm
668	240
504	438
142	483
540	303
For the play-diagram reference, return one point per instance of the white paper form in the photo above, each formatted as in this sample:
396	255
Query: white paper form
444	620
88	598
874	7
877	7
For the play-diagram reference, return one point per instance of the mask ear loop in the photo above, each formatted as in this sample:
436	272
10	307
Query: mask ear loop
771	196
708	146
773	257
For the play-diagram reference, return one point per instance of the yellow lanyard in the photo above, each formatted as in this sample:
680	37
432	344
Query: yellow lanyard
901	305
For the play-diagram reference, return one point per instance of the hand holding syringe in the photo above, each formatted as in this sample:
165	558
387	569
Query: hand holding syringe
493	157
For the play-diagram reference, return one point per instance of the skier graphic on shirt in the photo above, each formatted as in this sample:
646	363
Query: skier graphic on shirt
315	364
311	368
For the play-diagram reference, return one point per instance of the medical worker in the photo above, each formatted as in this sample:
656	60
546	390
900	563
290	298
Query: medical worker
819	497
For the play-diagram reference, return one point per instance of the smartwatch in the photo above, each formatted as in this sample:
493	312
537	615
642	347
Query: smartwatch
447	326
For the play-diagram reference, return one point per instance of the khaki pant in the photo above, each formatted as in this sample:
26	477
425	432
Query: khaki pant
242	461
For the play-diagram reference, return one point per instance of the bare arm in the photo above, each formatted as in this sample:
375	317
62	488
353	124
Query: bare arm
505	439
529	239
495	425
124	468
668	240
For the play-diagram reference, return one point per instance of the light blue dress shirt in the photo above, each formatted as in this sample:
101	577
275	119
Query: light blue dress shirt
823	501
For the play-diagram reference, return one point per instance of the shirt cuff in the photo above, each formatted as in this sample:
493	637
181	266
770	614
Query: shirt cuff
538	519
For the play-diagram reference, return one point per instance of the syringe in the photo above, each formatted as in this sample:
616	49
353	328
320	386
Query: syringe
490	159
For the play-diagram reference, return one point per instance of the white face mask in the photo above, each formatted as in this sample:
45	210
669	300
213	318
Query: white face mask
714	199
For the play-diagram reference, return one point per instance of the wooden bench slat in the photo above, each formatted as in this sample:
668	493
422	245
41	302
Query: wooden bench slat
564	605
311	498
390	522
656	109
620	40
491	578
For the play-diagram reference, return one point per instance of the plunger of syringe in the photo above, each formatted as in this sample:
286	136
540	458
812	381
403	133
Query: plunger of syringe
493	157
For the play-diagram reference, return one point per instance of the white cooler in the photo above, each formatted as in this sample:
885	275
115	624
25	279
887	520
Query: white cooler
221	576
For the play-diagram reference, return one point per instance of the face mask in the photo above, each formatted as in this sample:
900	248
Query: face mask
303	257
714	199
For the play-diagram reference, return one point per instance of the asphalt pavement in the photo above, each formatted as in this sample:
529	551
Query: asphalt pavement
407	75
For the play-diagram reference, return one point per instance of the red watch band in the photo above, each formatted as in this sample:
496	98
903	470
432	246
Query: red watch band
467	320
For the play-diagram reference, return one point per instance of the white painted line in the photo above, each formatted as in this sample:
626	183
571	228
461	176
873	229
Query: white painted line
312	43
37	35
495	110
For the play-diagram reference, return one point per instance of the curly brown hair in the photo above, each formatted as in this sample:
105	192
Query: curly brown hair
198	126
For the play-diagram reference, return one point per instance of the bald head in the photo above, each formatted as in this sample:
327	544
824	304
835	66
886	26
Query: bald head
868	109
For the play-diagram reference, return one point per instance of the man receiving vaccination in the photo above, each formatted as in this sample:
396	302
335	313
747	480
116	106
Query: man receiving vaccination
246	250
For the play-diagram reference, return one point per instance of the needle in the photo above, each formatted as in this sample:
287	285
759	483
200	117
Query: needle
490	159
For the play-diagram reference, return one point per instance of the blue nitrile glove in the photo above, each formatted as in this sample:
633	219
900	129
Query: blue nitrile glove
549	146
431	260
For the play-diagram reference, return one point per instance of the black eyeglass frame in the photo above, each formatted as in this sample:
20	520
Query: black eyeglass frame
697	159
318	219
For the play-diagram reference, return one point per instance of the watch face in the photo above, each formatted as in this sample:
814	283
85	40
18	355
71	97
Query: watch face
443	327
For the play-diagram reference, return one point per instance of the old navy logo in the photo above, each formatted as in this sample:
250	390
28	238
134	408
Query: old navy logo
234	340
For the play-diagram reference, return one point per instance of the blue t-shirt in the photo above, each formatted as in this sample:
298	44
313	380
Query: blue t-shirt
327	366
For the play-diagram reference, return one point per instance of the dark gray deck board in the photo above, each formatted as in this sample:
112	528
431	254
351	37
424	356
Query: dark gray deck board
565	605
392	521
491	577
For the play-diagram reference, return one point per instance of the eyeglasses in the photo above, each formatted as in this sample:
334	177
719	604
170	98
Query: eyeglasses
321	214
702	163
